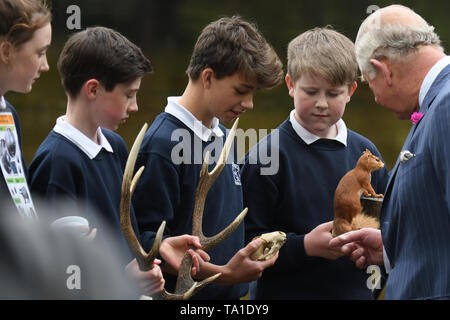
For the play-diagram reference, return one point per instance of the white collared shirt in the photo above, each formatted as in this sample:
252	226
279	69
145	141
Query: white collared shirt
310	138
2	103
431	76
185	116
89	147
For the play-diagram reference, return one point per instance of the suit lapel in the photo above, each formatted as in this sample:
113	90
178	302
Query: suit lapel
397	164
429	98
427	102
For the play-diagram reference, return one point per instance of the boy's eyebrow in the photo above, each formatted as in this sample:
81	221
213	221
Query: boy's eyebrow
309	87
248	86
133	89
316	88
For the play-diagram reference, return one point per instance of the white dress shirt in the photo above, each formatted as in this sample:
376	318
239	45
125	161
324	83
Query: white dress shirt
2	103
89	147
185	116
309	138
431	76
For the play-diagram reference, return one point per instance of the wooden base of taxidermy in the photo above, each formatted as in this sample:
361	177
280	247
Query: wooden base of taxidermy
368	218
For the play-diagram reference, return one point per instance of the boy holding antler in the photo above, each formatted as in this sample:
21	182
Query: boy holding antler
230	62
80	164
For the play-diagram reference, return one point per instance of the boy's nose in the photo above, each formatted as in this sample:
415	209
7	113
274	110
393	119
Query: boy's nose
322	102
247	103
133	108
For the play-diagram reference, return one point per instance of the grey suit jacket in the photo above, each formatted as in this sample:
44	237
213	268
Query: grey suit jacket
415	217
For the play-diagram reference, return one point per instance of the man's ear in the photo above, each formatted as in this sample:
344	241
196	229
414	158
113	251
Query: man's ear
5	51
383	68
90	88
290	85
207	75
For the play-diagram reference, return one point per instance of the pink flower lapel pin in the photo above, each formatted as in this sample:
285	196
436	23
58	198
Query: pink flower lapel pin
415	117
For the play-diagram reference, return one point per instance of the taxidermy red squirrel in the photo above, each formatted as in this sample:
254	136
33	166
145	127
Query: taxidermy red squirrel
348	213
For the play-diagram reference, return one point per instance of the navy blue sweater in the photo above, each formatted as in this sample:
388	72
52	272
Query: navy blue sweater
297	199
6	201
60	171
166	191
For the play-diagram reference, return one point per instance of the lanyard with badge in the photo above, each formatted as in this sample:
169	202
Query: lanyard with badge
11	163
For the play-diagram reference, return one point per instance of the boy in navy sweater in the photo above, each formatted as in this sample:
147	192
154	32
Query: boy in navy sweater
315	151
230	61
80	164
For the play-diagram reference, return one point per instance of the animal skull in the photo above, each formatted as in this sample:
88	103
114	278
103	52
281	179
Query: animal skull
272	242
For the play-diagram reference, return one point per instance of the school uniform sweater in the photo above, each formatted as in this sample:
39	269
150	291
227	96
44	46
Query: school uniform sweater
295	200
167	188
6	202
70	183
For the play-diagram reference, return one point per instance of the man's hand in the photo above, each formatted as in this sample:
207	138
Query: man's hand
365	246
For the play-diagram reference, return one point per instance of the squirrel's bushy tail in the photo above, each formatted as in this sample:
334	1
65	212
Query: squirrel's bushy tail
364	221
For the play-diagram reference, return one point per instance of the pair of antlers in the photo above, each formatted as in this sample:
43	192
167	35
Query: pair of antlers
186	287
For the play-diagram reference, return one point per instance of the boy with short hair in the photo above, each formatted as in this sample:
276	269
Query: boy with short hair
230	62
315	151
81	162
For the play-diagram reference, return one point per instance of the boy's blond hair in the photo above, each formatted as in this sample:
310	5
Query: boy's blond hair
325	53
231	45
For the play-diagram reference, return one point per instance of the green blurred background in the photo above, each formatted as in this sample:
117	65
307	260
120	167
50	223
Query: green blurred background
167	30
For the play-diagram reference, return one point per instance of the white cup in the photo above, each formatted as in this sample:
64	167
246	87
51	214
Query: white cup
71	222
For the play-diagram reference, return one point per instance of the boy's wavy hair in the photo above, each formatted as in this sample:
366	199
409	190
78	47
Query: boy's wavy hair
231	45
325	53
19	19
103	54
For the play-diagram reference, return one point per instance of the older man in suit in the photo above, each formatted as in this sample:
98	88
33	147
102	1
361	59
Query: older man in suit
400	56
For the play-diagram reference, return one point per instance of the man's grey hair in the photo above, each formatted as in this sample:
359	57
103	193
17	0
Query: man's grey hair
395	41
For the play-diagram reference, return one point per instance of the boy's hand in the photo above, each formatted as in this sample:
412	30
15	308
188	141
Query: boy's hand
172	250
317	243
149	282
86	232
241	268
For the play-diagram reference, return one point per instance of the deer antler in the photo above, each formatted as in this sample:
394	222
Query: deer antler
145	260
185	283
206	181
186	287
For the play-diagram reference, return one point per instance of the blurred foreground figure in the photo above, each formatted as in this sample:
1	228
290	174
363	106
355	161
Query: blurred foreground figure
40	262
